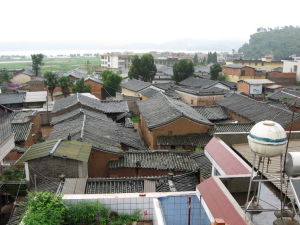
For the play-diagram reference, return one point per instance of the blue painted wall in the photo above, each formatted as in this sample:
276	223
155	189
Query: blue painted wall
175	210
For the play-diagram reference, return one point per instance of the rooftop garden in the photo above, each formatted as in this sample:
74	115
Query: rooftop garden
47	208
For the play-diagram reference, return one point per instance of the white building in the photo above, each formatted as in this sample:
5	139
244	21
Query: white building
292	66
116	61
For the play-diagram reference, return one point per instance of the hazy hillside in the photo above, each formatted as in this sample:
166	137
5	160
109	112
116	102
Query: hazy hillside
281	42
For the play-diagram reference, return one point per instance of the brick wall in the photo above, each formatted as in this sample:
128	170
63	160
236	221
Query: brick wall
243	87
97	89
98	163
181	126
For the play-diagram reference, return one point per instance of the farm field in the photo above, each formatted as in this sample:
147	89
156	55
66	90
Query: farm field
54	64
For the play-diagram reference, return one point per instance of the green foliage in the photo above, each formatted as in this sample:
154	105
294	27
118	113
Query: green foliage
215	69
81	87
134	70
281	42
182	69
125	218
51	81
5	77
44	208
65	83
198	149
222	77
135	119
143	68
212	58
37	62
111	82
12	174
85	212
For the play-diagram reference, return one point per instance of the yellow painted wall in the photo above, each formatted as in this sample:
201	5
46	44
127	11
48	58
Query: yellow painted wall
129	92
235	79
20	79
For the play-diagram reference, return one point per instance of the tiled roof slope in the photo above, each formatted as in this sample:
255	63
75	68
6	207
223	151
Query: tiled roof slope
203	163
156	159
196	82
184	140
93	103
135	85
256	111
77	112
99	133
232	127
60	148
149	92
203	91
161	110
212	113
183	182
287	96
12	98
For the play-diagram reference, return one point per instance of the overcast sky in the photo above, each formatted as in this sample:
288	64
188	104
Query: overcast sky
140	21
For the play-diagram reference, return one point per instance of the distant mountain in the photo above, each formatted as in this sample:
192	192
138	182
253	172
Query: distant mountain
281	42
177	45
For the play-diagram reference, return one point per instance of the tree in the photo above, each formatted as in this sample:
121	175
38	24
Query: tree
212	57
195	59
81	87
5	77
134	71
51	81
65	84
37	62
280	42
143	68
182	69
215	69
148	68
111	82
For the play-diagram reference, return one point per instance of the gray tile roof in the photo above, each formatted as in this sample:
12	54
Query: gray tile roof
156	159
286	96
77	73
149	92
256	111
99	133
194	140
183	182
232	127
94	79
12	98
76	112
29	71
203	91
135	85
22	116
161	110
196	82
212	113
116	106
236	66
203	163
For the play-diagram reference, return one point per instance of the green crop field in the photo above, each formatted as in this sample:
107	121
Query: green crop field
54	64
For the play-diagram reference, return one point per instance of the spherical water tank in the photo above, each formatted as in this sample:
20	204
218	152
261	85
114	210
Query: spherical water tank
292	164
267	138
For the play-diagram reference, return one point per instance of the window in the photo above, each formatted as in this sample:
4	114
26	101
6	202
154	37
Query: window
192	101
172	147
242	72
170	132
295	68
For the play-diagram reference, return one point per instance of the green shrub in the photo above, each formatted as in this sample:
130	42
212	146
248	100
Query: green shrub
125	218
44	208
85	212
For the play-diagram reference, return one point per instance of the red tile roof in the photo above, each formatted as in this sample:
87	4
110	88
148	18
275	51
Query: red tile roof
219	204
226	159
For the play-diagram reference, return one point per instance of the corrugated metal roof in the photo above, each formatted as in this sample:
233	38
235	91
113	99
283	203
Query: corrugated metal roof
225	158
219	203
61	148
37	96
